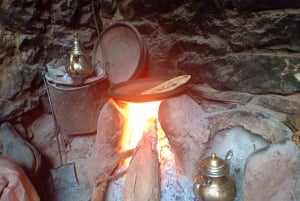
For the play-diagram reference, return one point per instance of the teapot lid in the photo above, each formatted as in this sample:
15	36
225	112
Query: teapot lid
213	166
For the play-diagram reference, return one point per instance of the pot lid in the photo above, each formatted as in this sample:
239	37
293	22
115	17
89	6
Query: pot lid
137	90
214	166
58	75
121	51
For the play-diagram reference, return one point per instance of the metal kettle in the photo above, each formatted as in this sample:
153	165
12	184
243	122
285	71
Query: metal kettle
78	66
214	182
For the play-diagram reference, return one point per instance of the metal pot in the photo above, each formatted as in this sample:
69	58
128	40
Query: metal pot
214	182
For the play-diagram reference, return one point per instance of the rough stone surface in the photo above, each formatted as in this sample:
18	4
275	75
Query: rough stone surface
11	110
277	74
273	173
107	139
18	149
288	105
222	44
187	126
258	123
237	49
242	143
11	82
265	27
44	139
209	93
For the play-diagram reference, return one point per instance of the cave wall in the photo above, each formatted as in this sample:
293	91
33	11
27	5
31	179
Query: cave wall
239	45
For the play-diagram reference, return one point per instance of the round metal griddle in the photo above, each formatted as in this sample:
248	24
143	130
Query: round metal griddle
131	91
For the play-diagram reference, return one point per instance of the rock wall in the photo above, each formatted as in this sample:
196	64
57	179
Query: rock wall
238	45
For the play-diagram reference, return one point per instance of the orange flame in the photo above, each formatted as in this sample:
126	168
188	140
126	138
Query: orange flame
137	118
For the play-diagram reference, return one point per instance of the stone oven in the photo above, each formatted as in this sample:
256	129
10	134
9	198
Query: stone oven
259	143
243	95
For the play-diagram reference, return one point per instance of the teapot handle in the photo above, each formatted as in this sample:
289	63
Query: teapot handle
229	155
200	181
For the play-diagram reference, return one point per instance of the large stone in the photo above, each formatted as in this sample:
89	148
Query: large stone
11	81
143	8
259	123
109	128
242	143
212	100
16	78
189	129
108	8
273	173
268	30
239	72
16	81
44	139
285	104
64	12
19	150
23	18
247	5
12	110
203	45
209	93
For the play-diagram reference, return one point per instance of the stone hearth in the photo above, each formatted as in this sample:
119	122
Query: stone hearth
243	122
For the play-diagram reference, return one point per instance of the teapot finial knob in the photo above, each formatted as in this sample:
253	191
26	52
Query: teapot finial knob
213	154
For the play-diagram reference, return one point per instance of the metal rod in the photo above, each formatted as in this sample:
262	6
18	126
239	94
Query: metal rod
95	18
56	129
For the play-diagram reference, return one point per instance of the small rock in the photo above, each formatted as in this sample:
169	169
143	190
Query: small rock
108	8
44	139
18	149
11	81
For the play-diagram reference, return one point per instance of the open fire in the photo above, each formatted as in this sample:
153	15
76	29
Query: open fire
191	133
140	120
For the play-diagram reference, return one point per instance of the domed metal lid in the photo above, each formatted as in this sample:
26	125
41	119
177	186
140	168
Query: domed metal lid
213	166
121	51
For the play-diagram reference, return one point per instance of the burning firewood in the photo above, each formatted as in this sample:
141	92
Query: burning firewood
143	175
103	179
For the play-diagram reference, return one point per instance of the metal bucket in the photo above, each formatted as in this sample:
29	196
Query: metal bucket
76	108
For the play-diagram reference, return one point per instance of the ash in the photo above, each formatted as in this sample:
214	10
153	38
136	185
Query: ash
178	187
174	185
